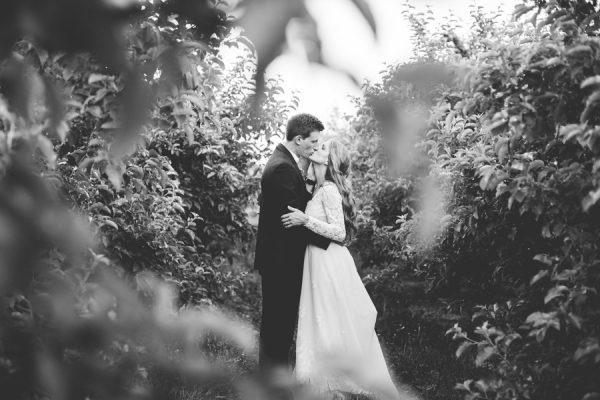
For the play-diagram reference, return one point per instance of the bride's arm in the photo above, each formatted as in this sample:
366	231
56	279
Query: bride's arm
334	228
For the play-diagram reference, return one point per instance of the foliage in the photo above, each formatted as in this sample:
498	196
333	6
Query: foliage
517	135
535	209
117	159
127	145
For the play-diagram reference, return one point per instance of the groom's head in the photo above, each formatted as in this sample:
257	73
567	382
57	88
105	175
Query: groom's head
303	133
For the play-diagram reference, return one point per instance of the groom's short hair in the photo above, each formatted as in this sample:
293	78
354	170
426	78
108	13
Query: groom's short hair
303	125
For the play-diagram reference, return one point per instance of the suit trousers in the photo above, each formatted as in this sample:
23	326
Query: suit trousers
281	298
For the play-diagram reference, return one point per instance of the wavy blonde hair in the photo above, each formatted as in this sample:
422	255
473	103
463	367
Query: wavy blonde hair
338	172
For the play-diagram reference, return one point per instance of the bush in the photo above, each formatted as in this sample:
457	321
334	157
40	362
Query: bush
516	135
90	207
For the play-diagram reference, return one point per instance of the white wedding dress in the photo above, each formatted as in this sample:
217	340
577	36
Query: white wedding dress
336	347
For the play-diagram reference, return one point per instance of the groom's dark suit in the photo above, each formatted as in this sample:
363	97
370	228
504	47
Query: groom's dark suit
280	256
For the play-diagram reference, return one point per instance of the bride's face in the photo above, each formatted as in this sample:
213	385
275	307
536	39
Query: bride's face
321	155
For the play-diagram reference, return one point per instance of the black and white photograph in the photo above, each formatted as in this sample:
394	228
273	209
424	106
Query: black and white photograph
299	200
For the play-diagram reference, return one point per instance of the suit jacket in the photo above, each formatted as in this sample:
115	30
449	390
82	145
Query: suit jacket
282	185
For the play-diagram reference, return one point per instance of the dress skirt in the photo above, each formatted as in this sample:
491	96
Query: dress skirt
337	348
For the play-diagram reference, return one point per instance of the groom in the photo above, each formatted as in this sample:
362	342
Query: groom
280	252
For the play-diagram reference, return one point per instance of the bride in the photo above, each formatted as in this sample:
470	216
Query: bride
336	346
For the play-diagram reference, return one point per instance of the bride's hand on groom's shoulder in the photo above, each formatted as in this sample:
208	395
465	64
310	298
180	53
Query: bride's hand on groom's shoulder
294	218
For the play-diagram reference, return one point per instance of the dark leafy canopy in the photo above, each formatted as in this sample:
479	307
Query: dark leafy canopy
517	135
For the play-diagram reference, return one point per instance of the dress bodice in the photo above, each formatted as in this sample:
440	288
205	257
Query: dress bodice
326	214
314	208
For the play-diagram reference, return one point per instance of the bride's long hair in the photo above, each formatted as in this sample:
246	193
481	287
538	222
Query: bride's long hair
338	172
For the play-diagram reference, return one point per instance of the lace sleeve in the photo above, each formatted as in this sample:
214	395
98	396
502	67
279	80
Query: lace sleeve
334	228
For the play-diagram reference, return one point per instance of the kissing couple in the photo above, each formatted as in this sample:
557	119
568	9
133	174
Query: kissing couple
309	278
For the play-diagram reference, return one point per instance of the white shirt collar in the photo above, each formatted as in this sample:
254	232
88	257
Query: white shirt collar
296	158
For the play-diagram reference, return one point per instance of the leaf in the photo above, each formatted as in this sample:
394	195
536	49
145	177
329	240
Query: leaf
365	10
591	81
551	18
137	171
463	347
96	111
543	258
535	16
551	62
486	173
567	132
575	320
501	189
579	50
588	349
482	385
593	98
555	292
100	208
541	274
522	9
94	77
498	126
109	125
110	223
537	318
536	164
244	40
195	99
593	140
466	385
483	355
519	195
590	200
